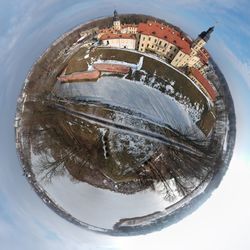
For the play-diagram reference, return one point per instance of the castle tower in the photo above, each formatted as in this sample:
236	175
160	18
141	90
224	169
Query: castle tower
116	21
201	40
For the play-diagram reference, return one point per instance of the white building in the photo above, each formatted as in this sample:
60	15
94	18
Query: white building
127	41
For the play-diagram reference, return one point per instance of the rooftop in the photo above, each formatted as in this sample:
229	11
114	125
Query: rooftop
204	55
205	83
111	35
166	33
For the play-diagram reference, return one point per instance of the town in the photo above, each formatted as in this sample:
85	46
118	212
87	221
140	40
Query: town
169	44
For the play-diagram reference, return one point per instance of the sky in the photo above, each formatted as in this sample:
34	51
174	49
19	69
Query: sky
27	28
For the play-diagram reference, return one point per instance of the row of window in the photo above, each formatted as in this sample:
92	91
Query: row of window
160	43
175	49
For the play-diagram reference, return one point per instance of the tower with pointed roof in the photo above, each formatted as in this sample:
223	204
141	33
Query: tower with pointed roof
201	40
116	21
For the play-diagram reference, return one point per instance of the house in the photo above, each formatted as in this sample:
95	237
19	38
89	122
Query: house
119	40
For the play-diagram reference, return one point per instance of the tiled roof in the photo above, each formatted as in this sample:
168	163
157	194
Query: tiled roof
117	36
205	83
109	67
80	76
204	55
166	33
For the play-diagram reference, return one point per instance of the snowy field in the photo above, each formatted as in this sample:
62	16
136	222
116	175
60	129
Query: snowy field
99	207
96	206
136	97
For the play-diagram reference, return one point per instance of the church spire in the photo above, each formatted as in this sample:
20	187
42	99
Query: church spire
116	21
205	35
116	17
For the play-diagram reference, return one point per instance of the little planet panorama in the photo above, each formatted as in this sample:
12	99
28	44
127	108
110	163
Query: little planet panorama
125	124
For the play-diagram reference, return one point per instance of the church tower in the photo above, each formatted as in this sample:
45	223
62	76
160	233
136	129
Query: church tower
116	22
201	40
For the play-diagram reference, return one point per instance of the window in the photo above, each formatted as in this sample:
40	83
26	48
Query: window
149	38
160	43
143	38
147	45
165	45
180	54
152	46
142	44
155	40
175	49
171	47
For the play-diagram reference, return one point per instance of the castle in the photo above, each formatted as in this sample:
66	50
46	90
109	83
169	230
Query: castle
168	43
163	40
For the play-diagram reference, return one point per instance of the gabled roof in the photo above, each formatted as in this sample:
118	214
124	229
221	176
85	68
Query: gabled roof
166	33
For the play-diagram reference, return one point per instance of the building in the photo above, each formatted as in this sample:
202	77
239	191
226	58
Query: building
161	39
197	56
202	63
165	41
116	22
127	41
118	28
129	28
168	43
207	87
119	36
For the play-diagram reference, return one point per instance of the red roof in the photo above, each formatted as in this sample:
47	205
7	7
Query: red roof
79	76
166	33
205	83
117	36
204	55
109	67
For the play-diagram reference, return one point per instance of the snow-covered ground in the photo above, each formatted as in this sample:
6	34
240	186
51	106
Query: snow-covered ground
137	66
136	97
99	207
95	206
103	208
194	110
156	57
